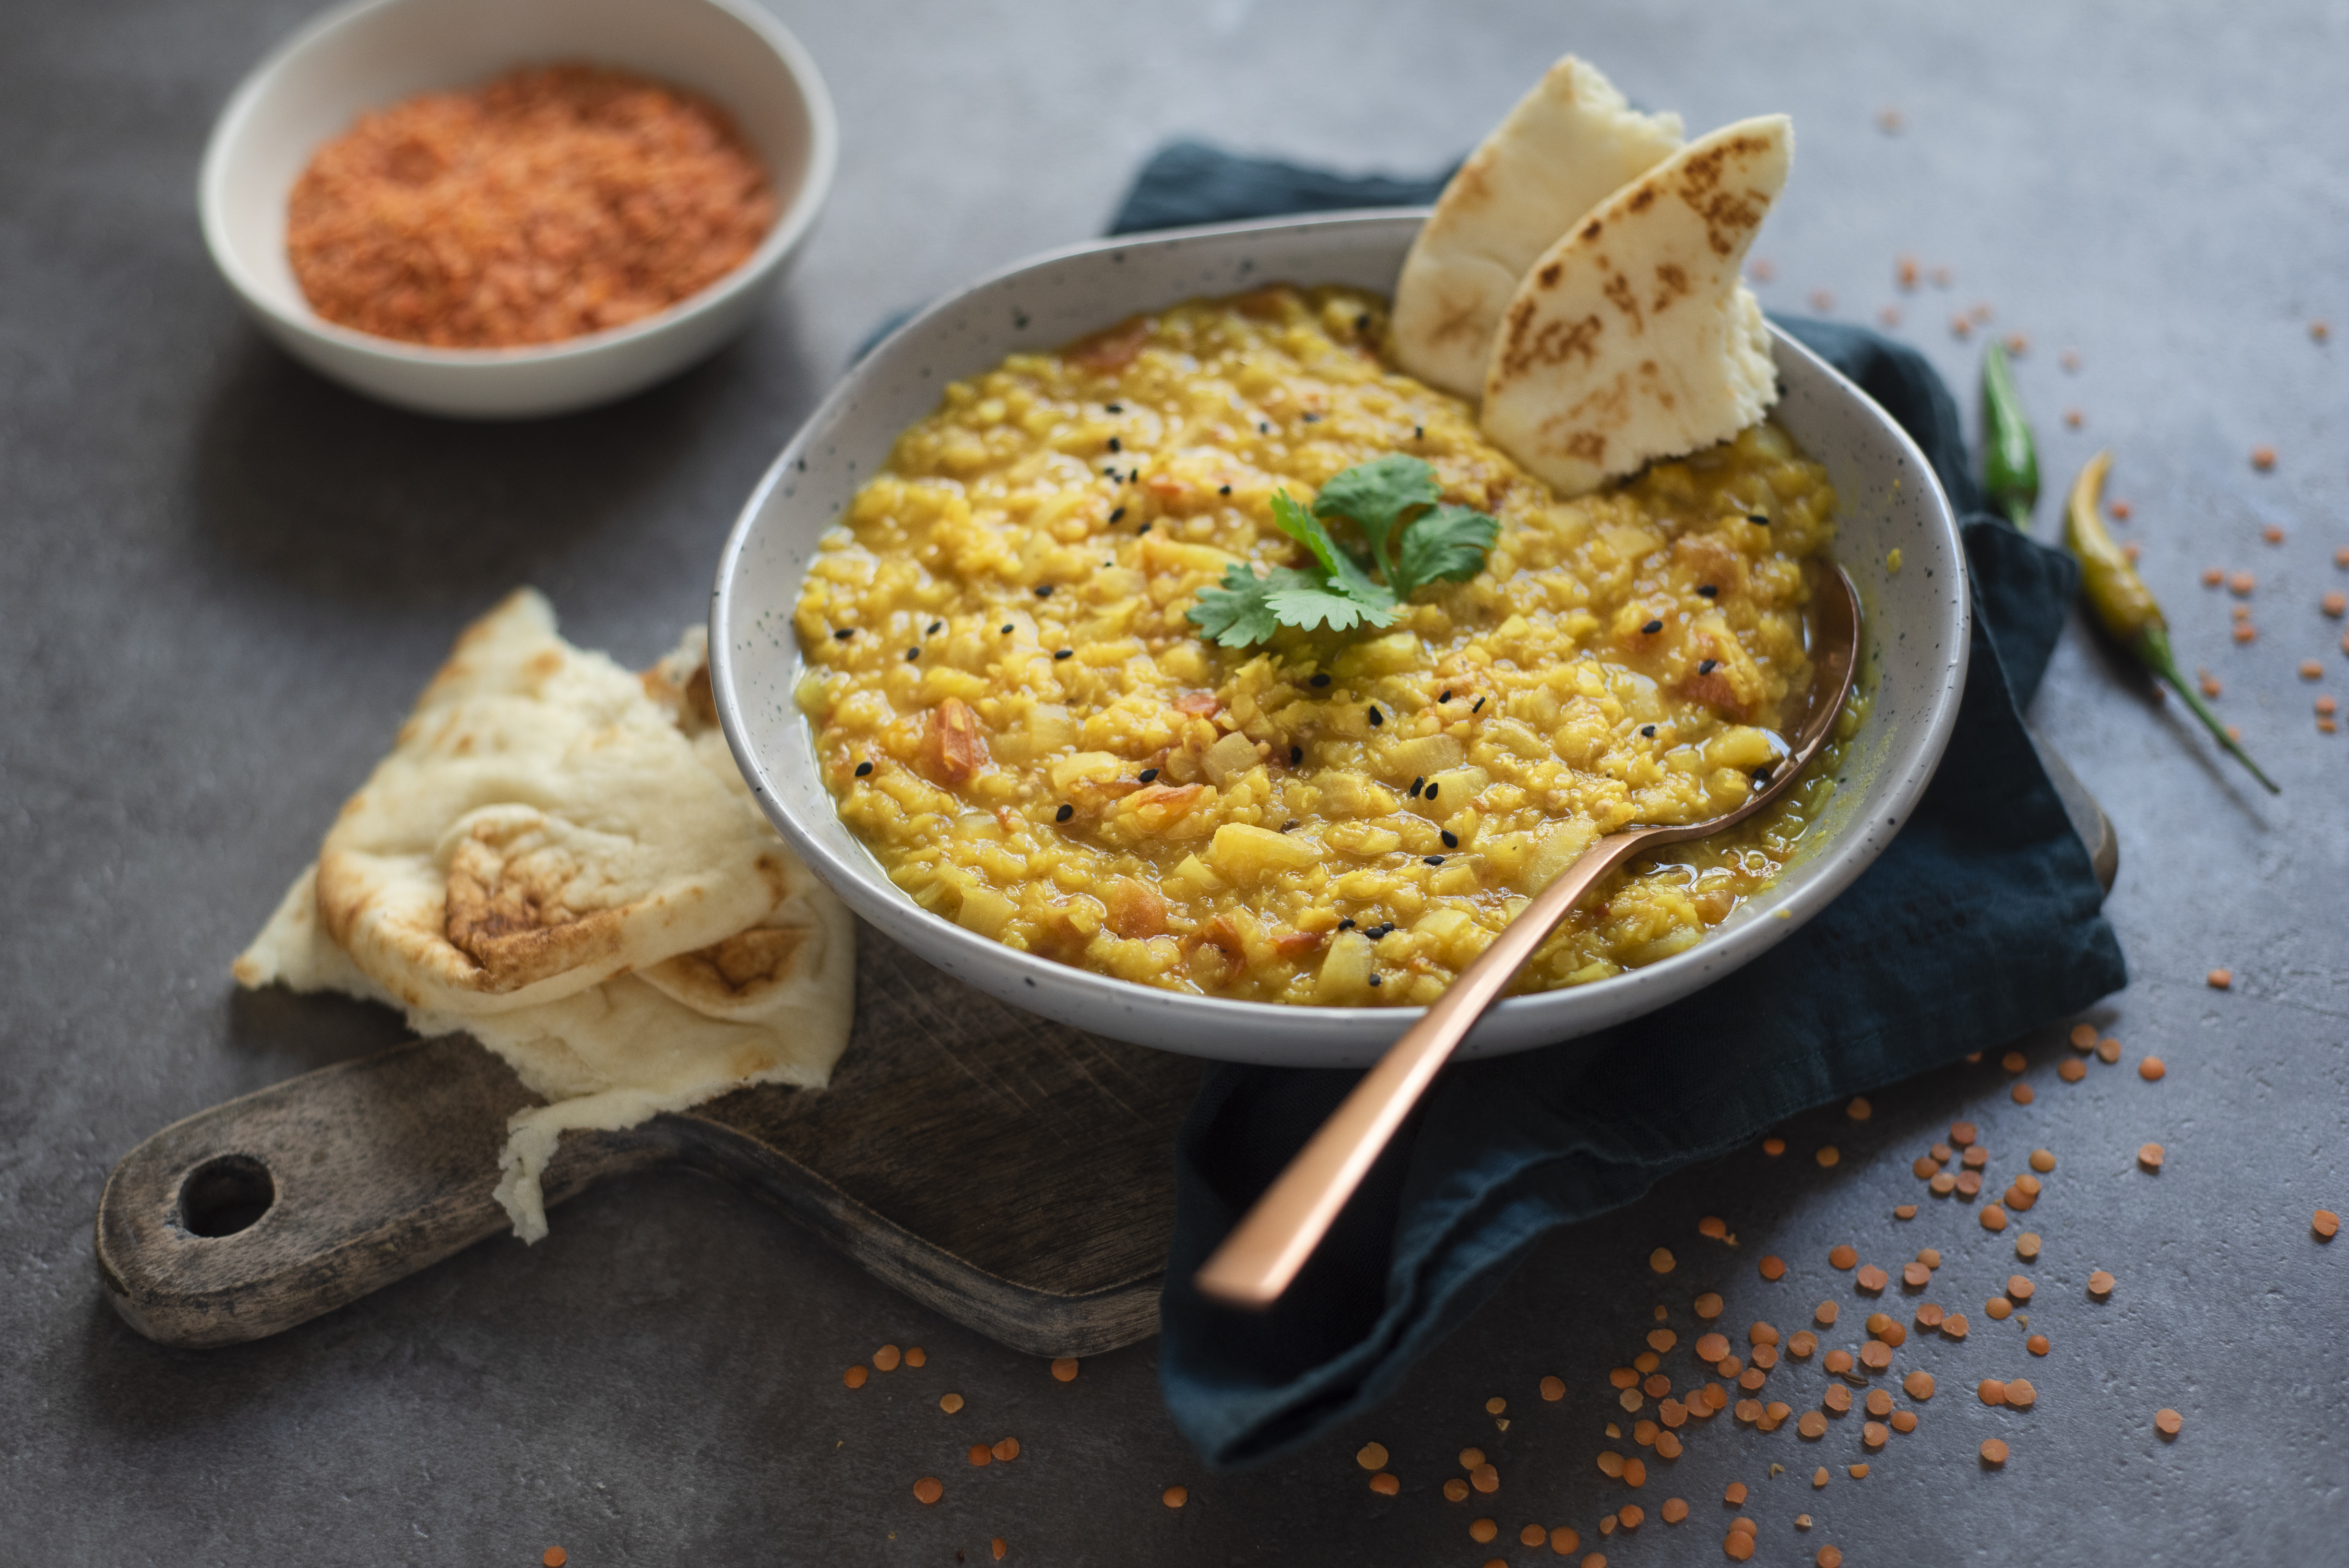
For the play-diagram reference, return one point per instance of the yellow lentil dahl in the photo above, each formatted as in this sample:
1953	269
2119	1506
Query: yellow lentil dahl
1015	717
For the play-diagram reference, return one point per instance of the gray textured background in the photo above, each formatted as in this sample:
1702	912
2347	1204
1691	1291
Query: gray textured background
224	580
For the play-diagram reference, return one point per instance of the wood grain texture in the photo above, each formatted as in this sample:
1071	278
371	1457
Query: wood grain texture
1012	1174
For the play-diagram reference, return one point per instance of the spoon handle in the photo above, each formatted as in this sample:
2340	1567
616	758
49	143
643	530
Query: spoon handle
1266	1250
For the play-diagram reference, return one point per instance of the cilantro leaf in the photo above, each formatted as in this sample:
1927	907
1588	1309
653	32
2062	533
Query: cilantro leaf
1248	609
1445	545
1377	494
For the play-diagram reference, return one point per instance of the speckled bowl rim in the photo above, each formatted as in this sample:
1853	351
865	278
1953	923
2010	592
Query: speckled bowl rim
1846	841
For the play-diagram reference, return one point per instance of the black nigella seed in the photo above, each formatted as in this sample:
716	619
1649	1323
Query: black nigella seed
1313	418
1417	785
1007	631
1116	515
1451	839
1432	789
1479	707
1319	681
1142	529
842	634
1113	445
1064	813
1262	429
1706	666
1652	627
1756	518
1378	979
1059	654
1289	826
1762	775
1649	730
1362	322
1295	755
1117	408
1226	490
1147	774
1045	591
1377	718
936	627
1435	860
1347	924
864	769
913	653
1708	591
1419	432
1446	696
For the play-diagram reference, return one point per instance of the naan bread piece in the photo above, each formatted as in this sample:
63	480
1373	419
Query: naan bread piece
1632	338
542	825
1568	145
770	1001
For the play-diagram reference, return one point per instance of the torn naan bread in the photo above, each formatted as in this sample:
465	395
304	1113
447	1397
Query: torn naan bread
1632	337
1568	145
768	1002
542	825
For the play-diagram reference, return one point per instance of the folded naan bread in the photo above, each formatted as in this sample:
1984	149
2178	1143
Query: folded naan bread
1633	338
1568	145
561	860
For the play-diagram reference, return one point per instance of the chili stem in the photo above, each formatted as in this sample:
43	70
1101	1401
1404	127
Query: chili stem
2153	652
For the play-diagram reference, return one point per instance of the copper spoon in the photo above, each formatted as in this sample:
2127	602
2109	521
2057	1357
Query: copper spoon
1266	1250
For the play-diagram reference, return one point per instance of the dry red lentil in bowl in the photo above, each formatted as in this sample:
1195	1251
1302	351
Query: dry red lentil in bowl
1022	719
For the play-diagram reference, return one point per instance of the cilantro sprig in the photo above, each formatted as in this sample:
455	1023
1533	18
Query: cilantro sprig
1413	540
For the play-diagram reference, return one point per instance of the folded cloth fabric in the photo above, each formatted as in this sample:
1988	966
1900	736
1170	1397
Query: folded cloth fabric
1979	921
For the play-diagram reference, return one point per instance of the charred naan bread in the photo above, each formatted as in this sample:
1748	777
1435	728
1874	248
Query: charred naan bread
1568	145
1632	337
624	960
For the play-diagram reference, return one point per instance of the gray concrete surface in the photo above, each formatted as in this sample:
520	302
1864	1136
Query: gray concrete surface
224	580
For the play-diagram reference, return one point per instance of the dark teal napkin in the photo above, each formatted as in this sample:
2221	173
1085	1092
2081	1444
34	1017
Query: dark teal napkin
1979	921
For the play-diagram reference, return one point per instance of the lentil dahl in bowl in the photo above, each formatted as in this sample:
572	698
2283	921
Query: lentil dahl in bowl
1081	833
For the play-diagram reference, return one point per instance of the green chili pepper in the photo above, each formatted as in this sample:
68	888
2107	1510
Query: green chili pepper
2125	607
2010	458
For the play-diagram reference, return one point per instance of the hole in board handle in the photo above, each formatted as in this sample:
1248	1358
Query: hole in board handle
225	1195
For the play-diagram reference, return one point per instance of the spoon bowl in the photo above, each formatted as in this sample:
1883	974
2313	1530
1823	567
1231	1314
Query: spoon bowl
1266	1250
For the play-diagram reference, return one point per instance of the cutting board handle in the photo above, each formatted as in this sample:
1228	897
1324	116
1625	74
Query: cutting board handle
265	1212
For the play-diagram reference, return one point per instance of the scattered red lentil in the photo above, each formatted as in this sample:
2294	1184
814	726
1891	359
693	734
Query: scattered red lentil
2220	979
1836	1362
1944	1184
1175	1496
1997	1308
1963	1133
2074	418
1660	1260
1774	1268
1827	1155
950	1403
1993	1218
1564	1539
555	1557
1801	1343
2019	1394
1969	1182
1904	1420
2109	1050
2149	1156
1673	1511
1871	1278
1904	1210
1773	1146
928	1490
2263	458
2150	1069
1708	1307
2327	1224
998	1546
1484	1477
2036	1344
916	1356
1976	1158
2212	576
1735	1494
2334	604
1065	1368
1553	1390
1829	1557
1955	1326
2022	1094
1994	1452
1825	1315
1916	1277
1813	1424
1843	1258
2101	1284
1483	1530
980	1454
1738	1546
2167	1422
1859	1110
1455	1489
2071	1069
2310	669
1630	1516
1470	1458
1818	1478
1876	1356
1385	1485
855	1376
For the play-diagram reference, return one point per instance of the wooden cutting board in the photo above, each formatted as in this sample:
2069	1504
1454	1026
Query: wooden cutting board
1011	1172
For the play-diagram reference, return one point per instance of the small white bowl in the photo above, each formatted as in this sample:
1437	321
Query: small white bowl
372	55
1918	621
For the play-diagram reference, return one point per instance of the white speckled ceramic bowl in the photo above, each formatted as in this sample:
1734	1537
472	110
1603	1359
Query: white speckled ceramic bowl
1917	630
373	54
